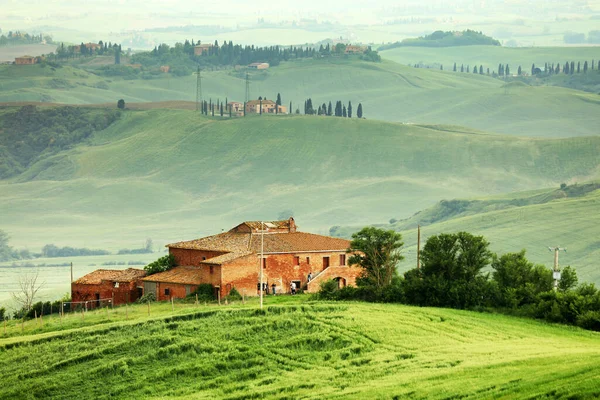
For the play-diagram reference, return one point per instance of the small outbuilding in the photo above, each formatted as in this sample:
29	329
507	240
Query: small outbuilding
102	285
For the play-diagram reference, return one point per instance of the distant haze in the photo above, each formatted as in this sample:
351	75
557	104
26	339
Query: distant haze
134	22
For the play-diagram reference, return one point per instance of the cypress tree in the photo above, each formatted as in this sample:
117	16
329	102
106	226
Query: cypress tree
349	109
578	67
329	109
344	113
278	102
290	108
475	69
359	111
519	71
507	70
221	109
454	68
481	70
585	67
572	68
532	69
462	68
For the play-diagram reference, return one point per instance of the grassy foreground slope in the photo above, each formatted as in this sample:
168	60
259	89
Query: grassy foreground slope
172	174
310	351
388	91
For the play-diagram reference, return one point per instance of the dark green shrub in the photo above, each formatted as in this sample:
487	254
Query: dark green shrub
589	320
147	298
206	292
328	290
234	295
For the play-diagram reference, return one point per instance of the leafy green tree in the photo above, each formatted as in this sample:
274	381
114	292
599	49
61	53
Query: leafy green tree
163	264
568	279
519	281
377	252
121	104
450	273
359	110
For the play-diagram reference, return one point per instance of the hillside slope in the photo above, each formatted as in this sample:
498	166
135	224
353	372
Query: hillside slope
388	91
173	174
313	351
532	220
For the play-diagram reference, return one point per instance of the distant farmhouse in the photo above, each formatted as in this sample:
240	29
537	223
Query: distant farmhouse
90	46
202	48
355	49
259	65
26	60
254	107
268	107
232	260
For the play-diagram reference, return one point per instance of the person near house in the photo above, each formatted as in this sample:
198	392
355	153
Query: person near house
309	276
293	288
273	289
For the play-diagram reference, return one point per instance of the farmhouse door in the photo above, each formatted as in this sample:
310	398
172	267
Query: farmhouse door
150	287
325	263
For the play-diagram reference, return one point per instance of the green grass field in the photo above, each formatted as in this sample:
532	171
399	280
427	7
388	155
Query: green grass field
172	175
388	91
298	349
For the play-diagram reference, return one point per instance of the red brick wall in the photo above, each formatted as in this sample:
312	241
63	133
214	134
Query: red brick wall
348	274
126	292
189	257
281	269
176	291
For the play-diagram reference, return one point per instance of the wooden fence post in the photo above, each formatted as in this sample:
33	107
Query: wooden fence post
172	305
219	295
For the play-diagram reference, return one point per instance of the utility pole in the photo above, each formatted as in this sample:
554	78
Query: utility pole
262	260
418	246
247	88
556	270
198	89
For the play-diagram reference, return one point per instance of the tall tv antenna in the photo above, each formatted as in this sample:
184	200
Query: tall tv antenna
198	89
247	87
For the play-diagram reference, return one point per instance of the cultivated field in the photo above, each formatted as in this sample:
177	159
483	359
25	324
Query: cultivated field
309	350
388	91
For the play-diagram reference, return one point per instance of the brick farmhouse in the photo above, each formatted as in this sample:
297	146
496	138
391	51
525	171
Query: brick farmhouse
232	260
120	286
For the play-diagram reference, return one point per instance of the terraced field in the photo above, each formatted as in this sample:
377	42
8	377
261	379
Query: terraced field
307	350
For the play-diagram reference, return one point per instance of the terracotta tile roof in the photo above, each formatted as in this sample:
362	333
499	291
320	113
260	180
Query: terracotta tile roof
297	242
181	275
114	275
232	242
224	258
258	102
284	224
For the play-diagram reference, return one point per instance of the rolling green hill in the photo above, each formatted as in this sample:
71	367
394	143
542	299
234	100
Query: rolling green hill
531	220
173	174
310	350
491	56
387	91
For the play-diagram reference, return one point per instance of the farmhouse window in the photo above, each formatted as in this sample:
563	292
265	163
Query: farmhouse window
308	260
264	262
296	260
342	259
167	291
